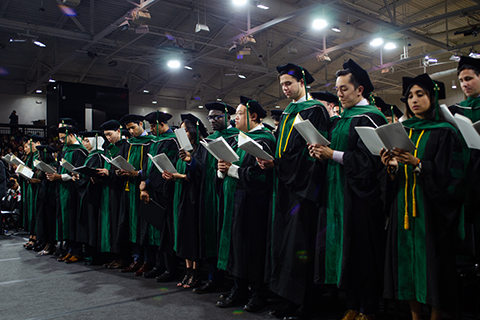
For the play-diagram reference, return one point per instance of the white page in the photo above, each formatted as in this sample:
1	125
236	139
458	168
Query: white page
7	158
309	132
371	139
67	165
162	163
221	150
15	160
468	131
122	164
393	135
253	147
445	112
183	140
24	171
44	167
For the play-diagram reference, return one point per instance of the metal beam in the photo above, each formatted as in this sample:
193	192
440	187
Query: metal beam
79	25
4	8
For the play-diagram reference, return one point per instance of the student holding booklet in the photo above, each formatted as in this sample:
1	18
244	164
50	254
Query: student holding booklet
185	203
425	210
351	254
247	193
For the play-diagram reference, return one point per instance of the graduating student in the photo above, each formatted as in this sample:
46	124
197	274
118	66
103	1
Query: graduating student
328	99
75	153
211	198
247	194
352	242
30	192
425	211
158	194
298	187
186	203
135	152
90	192
46	204
112	187
390	111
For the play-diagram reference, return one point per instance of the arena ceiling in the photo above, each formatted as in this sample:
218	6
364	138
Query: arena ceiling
123	43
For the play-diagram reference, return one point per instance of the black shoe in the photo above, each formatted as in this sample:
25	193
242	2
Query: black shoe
39	246
208	287
155	272
255	304
235	298
167	276
303	313
285	311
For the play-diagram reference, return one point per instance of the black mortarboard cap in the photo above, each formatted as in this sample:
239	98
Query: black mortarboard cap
475	63
46	148
276	112
325	96
296	72
387	108
194	120
36	138
91	134
360	75
425	82
71	129
110	125
131	118
159	116
220	106
68	121
254	106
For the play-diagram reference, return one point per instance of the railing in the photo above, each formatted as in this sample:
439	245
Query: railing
26	129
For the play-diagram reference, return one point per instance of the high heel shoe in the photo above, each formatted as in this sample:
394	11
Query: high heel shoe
186	277
194	280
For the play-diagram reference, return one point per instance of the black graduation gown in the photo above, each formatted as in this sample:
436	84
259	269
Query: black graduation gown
46	206
89	211
297	199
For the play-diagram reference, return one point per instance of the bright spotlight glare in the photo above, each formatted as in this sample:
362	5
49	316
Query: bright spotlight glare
376	42
239	2
319	24
390	45
174	64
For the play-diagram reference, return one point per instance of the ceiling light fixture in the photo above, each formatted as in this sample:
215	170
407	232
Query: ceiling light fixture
174	64
455	58
239	2
376	42
336	29
202	26
262	6
319	24
146	91
39	43
241	76
390	46
200	107
154	101
38	91
277	107
51	80
188	68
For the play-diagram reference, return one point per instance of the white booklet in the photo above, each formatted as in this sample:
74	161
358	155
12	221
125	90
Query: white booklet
253	147
445	112
162	163
309	132
67	165
16	161
221	150
183	140
388	136
24	171
119	162
44	167
7	158
470	131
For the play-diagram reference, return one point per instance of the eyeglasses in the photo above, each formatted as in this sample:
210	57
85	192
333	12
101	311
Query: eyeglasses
215	118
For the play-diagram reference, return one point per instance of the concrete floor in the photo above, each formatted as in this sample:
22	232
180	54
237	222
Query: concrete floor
35	287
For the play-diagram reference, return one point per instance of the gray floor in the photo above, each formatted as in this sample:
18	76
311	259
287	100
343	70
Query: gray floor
35	287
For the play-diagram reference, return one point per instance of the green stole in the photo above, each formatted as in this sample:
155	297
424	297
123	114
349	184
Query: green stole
210	196
105	233
229	188
135	158
336	192
472	110
64	191
154	233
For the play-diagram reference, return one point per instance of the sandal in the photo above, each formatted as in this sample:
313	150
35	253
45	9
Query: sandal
186	278
194	280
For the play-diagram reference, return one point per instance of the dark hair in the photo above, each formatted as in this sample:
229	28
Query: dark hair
258	118
352	80
191	128
276	118
11	182
469	67
430	113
